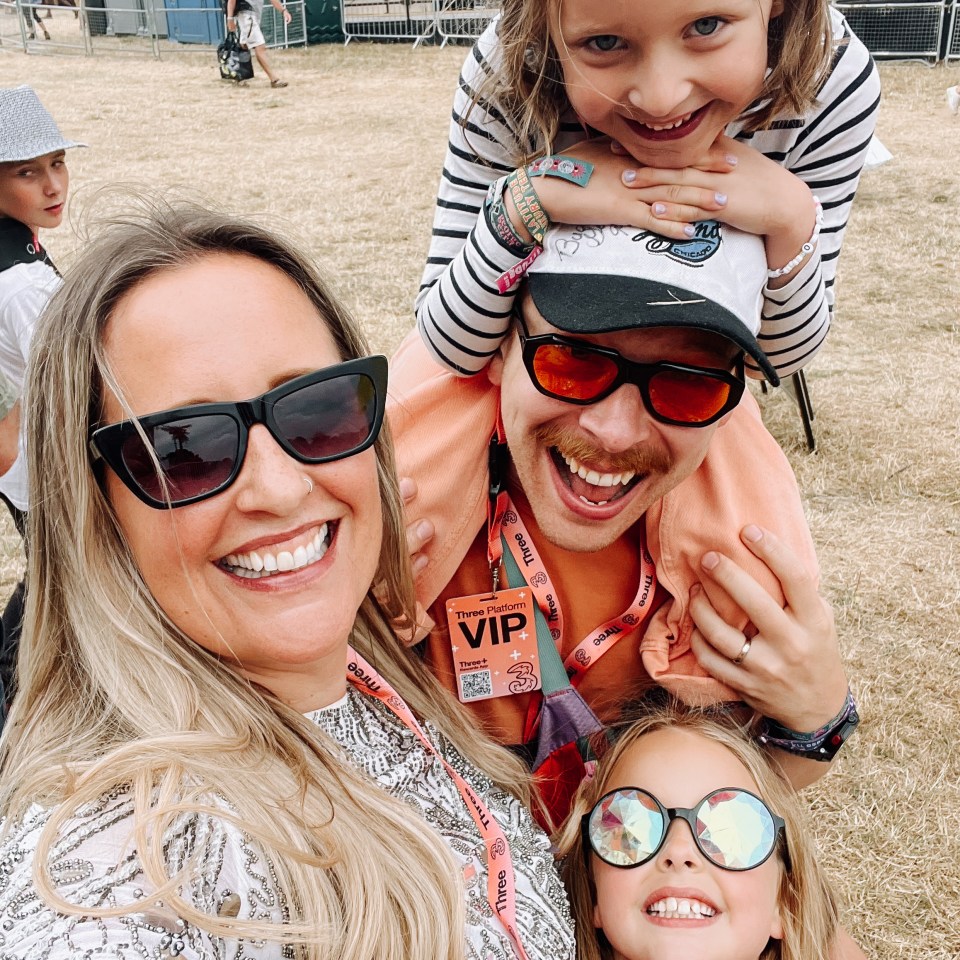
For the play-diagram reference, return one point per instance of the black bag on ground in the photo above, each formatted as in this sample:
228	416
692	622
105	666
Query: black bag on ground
234	60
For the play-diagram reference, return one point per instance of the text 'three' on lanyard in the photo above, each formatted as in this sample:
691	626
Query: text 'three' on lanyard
501	883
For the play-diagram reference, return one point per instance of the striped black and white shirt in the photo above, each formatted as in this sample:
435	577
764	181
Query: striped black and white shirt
461	315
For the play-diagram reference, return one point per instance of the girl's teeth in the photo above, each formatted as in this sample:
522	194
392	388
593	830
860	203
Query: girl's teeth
669	126
671	908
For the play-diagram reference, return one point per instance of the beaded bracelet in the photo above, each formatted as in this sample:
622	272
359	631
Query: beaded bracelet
805	250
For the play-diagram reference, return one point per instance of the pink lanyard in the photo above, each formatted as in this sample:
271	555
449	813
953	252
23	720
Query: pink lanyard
501	887
601	639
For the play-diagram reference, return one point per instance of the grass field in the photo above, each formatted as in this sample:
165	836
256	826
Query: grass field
347	160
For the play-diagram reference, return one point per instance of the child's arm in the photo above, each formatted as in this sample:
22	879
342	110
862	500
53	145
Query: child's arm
770	192
461	314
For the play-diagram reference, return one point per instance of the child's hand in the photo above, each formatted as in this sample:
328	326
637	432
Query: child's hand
419	532
753	194
607	198
791	671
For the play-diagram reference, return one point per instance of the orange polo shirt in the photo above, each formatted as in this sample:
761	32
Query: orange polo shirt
591	589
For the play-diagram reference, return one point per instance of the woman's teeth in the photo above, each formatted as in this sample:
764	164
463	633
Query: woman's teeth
598	479
263	563
671	908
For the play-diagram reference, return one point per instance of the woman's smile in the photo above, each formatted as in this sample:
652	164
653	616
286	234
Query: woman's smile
270	572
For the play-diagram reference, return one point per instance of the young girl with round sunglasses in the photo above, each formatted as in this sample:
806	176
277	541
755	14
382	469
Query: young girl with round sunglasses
687	843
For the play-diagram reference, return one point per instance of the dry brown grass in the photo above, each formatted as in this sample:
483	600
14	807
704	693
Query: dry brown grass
347	159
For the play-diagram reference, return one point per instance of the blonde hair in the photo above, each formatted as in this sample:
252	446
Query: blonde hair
807	906
113	696
529	87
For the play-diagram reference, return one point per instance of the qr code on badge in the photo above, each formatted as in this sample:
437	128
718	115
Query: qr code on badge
476	685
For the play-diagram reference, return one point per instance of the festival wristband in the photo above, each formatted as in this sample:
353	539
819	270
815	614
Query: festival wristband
500	222
821	744
528	205
509	279
566	168
805	250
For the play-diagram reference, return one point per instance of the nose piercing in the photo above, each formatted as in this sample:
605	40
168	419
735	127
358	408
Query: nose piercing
309	484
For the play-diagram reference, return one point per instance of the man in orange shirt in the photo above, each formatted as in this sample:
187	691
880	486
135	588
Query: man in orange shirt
639	545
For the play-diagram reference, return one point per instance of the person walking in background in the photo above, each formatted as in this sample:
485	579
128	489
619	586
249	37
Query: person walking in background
245	16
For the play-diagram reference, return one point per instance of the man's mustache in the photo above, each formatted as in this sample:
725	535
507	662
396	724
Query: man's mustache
639	459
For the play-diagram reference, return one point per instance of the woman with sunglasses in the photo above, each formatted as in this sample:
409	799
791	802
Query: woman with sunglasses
708	858
219	747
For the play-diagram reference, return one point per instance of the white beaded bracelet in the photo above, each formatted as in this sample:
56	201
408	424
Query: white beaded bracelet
805	250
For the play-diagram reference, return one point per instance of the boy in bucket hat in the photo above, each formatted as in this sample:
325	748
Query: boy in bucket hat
33	192
645	510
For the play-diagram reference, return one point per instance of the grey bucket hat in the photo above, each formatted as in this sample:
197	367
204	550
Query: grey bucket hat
27	130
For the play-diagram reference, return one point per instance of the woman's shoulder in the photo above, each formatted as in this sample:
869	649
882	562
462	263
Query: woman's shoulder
94	864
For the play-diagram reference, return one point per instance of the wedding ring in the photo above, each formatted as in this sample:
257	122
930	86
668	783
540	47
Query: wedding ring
744	650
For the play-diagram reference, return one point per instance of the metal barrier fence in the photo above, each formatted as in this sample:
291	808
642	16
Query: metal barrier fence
416	20
154	27
388	19
953	37
280	35
911	30
463	19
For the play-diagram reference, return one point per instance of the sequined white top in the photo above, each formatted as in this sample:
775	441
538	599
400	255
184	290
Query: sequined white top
95	864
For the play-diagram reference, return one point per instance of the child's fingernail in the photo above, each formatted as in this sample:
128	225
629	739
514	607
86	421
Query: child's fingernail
690	230
407	488
731	159
721	198
419	565
659	209
629	176
695	591
752	533
710	560
424	530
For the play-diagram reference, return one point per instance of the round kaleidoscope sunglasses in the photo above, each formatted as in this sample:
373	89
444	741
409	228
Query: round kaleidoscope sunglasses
731	827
